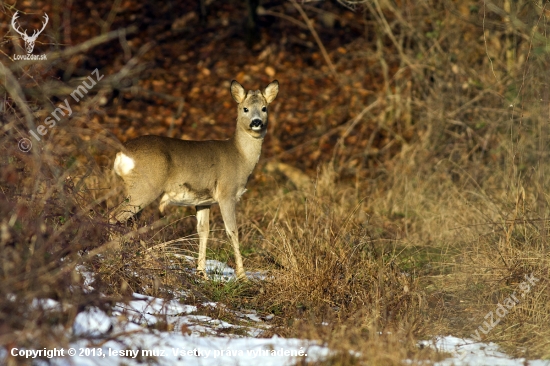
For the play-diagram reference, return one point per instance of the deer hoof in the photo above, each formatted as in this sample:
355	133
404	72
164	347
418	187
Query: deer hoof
241	276
202	274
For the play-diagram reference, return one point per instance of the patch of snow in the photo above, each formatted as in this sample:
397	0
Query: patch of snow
88	278
192	339
166	348
46	304
91	323
148	311
134	345
467	352
211	304
251	316
219	271
153	305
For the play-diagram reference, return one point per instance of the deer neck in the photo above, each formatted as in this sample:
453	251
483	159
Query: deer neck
249	147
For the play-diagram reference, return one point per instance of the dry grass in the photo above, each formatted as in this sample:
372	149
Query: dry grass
421	234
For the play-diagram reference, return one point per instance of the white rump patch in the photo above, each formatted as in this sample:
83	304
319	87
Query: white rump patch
123	164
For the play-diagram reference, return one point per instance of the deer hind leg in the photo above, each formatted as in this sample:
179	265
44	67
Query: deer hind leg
203	229
230	220
139	196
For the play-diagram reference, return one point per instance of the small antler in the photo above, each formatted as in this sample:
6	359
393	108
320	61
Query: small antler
15	27
35	34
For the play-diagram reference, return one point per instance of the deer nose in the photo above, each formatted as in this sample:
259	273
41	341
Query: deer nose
256	122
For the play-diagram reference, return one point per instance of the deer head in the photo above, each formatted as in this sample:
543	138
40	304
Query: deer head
29	40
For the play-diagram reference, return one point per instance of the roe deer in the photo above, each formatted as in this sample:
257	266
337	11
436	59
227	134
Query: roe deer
198	173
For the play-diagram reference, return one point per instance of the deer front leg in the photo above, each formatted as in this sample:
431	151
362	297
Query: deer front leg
229	218
203	228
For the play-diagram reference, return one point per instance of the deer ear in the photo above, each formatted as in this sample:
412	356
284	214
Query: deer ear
238	92
271	91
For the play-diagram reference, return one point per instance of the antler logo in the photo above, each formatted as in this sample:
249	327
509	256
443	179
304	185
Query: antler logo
29	40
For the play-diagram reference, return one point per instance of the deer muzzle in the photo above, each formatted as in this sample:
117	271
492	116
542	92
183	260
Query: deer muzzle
256	124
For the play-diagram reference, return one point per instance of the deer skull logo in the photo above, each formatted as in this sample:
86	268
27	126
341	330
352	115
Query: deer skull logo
29	40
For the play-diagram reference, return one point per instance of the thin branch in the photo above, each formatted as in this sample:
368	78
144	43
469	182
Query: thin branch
487	48
316	36
377	11
349	124
14	90
262	11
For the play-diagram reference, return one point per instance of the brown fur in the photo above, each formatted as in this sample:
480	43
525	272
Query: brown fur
197	173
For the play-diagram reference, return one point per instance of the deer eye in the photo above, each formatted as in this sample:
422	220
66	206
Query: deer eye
264	109
245	110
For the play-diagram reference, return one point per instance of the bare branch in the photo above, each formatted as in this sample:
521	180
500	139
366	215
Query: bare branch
316	36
